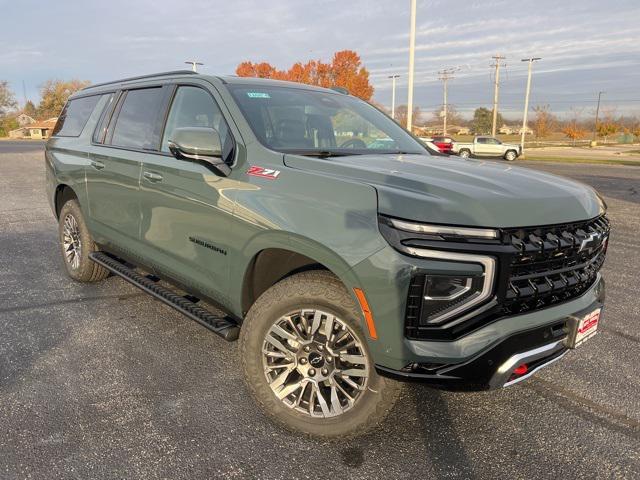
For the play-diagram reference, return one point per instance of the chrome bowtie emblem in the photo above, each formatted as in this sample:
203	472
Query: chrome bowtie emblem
592	238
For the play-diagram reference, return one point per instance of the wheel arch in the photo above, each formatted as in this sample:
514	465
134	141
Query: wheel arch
271	264
515	152
63	193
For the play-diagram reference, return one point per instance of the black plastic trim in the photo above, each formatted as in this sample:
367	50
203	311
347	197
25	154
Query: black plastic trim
223	326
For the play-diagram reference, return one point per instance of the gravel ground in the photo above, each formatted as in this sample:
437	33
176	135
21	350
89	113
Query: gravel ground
101	381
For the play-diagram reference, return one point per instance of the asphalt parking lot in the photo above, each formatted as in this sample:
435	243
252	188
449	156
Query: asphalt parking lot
101	381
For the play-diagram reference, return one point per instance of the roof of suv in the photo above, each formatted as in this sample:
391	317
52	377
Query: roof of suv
228	79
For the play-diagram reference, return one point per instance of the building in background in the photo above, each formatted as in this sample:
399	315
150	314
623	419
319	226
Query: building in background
43	129
23	120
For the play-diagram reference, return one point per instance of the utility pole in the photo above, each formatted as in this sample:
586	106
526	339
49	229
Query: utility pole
412	48
393	95
595	127
497	66
194	64
445	76
24	94
526	102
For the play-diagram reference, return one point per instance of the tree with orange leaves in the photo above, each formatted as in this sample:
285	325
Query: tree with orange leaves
345	70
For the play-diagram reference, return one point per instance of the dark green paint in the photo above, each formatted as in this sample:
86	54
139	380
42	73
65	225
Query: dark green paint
325	209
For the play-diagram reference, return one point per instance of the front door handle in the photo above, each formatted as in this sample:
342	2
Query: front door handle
152	177
97	165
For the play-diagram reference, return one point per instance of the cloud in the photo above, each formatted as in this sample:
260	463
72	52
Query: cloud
585	45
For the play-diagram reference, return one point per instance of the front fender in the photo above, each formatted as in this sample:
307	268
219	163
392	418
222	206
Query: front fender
294	243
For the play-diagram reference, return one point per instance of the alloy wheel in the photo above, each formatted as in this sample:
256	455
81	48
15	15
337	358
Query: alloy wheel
71	241
314	363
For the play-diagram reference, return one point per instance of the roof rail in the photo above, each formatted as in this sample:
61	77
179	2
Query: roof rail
141	77
342	90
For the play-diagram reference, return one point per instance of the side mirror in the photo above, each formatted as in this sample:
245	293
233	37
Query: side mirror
199	144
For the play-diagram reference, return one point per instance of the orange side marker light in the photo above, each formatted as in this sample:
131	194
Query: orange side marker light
366	311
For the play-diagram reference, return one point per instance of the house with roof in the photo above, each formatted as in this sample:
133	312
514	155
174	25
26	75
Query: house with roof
42	129
23	120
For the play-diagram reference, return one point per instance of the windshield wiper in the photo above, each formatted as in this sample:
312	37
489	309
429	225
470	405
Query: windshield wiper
322	153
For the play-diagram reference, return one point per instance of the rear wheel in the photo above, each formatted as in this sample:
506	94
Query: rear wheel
464	153
76	244
306	360
510	156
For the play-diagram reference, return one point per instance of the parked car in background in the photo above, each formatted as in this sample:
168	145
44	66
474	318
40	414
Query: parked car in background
444	144
487	147
438	144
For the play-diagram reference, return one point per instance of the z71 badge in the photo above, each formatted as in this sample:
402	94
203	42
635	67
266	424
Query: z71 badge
257	171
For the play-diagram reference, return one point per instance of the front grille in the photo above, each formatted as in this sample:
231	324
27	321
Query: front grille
553	264
537	267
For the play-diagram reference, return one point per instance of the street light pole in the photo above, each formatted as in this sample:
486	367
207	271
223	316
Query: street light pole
412	48
194	64
595	127
393	95
526	102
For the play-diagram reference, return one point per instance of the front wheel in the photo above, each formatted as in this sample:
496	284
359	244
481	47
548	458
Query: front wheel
510	156
306	360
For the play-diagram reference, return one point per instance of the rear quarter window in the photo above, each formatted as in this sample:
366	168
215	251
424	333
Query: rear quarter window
74	116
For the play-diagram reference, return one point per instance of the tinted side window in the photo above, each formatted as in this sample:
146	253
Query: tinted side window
195	107
481	140
137	119
74	116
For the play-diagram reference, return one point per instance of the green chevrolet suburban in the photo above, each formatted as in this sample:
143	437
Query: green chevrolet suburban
329	241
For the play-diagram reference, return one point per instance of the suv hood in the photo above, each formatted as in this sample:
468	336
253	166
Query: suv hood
458	191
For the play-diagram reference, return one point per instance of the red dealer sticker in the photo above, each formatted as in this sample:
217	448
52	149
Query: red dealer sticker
257	171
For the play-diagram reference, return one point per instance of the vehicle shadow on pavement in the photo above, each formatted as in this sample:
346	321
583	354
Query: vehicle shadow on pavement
426	418
444	450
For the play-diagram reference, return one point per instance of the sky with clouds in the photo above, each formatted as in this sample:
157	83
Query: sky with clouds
586	45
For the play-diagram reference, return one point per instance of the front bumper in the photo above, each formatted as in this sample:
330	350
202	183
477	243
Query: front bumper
496	366
472	359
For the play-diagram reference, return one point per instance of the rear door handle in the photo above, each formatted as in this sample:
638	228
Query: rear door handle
152	177
97	165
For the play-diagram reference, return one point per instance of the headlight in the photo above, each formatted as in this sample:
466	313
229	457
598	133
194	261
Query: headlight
431	229
445	296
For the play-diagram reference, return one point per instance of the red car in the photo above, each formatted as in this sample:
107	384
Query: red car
444	144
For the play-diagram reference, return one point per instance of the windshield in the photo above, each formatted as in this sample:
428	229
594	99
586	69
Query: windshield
308	122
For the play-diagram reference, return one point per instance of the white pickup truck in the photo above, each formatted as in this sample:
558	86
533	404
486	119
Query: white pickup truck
487	147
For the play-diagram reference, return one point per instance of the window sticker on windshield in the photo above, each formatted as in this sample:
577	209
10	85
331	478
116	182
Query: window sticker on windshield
258	95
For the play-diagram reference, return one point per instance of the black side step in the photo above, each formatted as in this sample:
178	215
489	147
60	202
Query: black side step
223	326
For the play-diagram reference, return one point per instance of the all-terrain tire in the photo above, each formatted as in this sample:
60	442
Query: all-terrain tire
464	153
84	269
322	291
